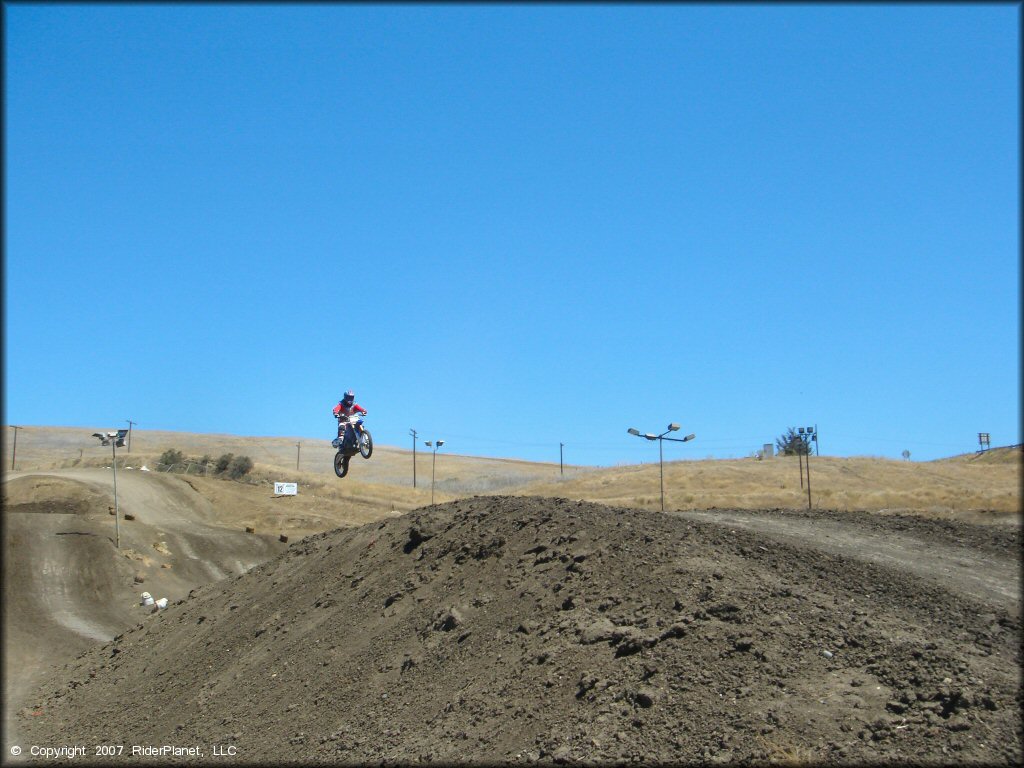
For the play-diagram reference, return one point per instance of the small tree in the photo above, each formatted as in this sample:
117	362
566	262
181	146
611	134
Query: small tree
240	465
223	462
171	456
792	444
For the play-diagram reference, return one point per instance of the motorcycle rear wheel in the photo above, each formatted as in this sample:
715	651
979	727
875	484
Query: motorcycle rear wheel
365	444
341	464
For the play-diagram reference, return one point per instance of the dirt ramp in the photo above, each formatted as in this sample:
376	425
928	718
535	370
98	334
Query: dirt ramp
504	629
52	495
64	592
68	588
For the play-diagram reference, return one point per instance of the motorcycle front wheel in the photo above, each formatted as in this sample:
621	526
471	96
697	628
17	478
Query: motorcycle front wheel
341	464
365	444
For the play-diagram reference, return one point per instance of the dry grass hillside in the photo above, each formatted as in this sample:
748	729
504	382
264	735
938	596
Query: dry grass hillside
977	486
987	486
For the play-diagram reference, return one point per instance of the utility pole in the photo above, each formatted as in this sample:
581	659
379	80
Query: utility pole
561	469
298	453
14	452
413	433
130	423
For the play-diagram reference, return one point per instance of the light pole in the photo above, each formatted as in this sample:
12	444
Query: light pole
435	444
14	452
115	440
661	458
413	433
807	434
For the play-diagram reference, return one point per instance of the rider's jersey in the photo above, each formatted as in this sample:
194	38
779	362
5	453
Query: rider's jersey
340	410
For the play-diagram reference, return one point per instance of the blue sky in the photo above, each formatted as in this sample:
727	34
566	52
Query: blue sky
514	226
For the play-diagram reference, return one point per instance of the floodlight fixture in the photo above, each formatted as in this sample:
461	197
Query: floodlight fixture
435	444
673	427
115	440
807	435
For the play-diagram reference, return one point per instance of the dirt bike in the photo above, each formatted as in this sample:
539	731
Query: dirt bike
352	438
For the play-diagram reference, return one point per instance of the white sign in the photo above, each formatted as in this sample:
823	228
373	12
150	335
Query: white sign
286	489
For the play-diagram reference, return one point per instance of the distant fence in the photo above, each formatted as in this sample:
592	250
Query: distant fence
187	467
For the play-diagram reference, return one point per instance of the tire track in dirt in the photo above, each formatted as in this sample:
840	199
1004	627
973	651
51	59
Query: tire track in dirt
926	553
67	588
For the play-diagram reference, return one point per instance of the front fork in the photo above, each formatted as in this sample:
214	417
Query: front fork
357	427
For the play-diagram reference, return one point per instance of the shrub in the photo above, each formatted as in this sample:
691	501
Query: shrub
171	457
240	465
223	462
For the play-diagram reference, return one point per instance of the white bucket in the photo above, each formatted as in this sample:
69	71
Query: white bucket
161	603
147	599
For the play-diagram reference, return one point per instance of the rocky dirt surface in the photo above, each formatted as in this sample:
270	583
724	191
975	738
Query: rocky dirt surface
970	559
511	629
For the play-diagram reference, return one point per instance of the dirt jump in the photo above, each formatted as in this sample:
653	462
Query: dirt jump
523	629
66	588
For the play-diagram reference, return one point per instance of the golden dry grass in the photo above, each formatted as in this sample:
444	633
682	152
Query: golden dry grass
948	487
985	487
55	447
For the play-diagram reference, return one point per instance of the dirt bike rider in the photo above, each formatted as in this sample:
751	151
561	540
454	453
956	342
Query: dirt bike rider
346	408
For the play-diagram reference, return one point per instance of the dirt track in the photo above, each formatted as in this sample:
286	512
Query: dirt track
970	559
522	629
65	587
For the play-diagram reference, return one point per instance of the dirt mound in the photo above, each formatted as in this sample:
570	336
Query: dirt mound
67	587
52	495
517	629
